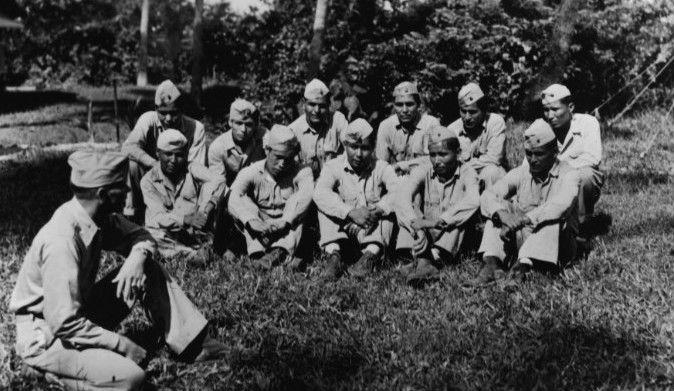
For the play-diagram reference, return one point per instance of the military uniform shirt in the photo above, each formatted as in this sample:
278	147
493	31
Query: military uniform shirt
226	158
255	194
454	201
551	199
141	145
488	148
60	269
396	145
340	189
319	147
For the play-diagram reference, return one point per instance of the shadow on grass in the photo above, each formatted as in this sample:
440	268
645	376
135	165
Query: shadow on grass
12	101
571	357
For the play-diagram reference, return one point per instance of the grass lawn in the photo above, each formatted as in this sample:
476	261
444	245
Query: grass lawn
605	323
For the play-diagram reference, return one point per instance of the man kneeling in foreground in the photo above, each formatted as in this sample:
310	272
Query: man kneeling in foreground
354	196
532	211
449	193
64	317
269	199
178	203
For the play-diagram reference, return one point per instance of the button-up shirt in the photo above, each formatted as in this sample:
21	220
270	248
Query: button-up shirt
141	144
60	269
340	188
454	201
551	199
168	203
486	147
256	194
319	146
395	144
582	144
226	158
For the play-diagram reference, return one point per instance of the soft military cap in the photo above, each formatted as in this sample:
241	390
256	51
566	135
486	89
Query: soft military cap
241	109
167	93
91	169
470	93
554	93
171	140
315	90
439	133
280	137
405	88
357	131
539	133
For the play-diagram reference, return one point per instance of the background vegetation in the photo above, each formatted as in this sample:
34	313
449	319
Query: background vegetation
441	44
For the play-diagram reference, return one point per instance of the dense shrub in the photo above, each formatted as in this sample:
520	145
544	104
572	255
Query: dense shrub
441	44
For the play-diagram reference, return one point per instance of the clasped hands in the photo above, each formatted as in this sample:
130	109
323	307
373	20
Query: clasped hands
512	222
363	218
419	228
265	230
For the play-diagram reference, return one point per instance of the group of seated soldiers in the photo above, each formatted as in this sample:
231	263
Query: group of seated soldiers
413	191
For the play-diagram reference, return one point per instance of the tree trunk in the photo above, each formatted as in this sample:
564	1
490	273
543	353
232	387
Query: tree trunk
558	52
173	34
317	41
197	52
141	79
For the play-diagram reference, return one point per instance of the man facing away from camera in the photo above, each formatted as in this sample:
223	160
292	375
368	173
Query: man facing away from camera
64	317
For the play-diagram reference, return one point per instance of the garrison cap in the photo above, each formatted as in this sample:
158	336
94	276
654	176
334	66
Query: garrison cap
171	140
92	169
405	88
470	93
316	89
280	137
241	109
539	133
357	131
554	93
167	93
439	133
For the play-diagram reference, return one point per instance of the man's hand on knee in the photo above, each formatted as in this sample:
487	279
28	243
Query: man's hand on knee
131	350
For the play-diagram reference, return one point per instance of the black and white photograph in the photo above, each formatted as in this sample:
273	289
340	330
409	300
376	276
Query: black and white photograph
290	195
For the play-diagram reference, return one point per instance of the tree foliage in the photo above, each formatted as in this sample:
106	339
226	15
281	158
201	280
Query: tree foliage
440	44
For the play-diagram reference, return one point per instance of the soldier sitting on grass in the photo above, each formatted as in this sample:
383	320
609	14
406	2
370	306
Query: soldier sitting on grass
65	318
354	199
449	200
141	144
179	204
532	211
269	200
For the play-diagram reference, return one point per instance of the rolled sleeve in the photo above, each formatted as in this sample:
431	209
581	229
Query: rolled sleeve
135	143
391	182
407	189
325	197
297	205
556	206
241	206
495	198
197	152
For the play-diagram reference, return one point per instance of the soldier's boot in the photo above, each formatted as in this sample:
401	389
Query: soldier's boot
333	267
487	275
272	258
364	266
520	269
425	271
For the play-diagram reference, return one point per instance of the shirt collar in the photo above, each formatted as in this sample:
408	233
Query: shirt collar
553	173
463	131
455	176
161	178
309	129
86	226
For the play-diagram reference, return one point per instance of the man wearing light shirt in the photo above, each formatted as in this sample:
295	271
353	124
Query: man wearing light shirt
481	134
532	212
141	144
579	140
402	139
65	318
